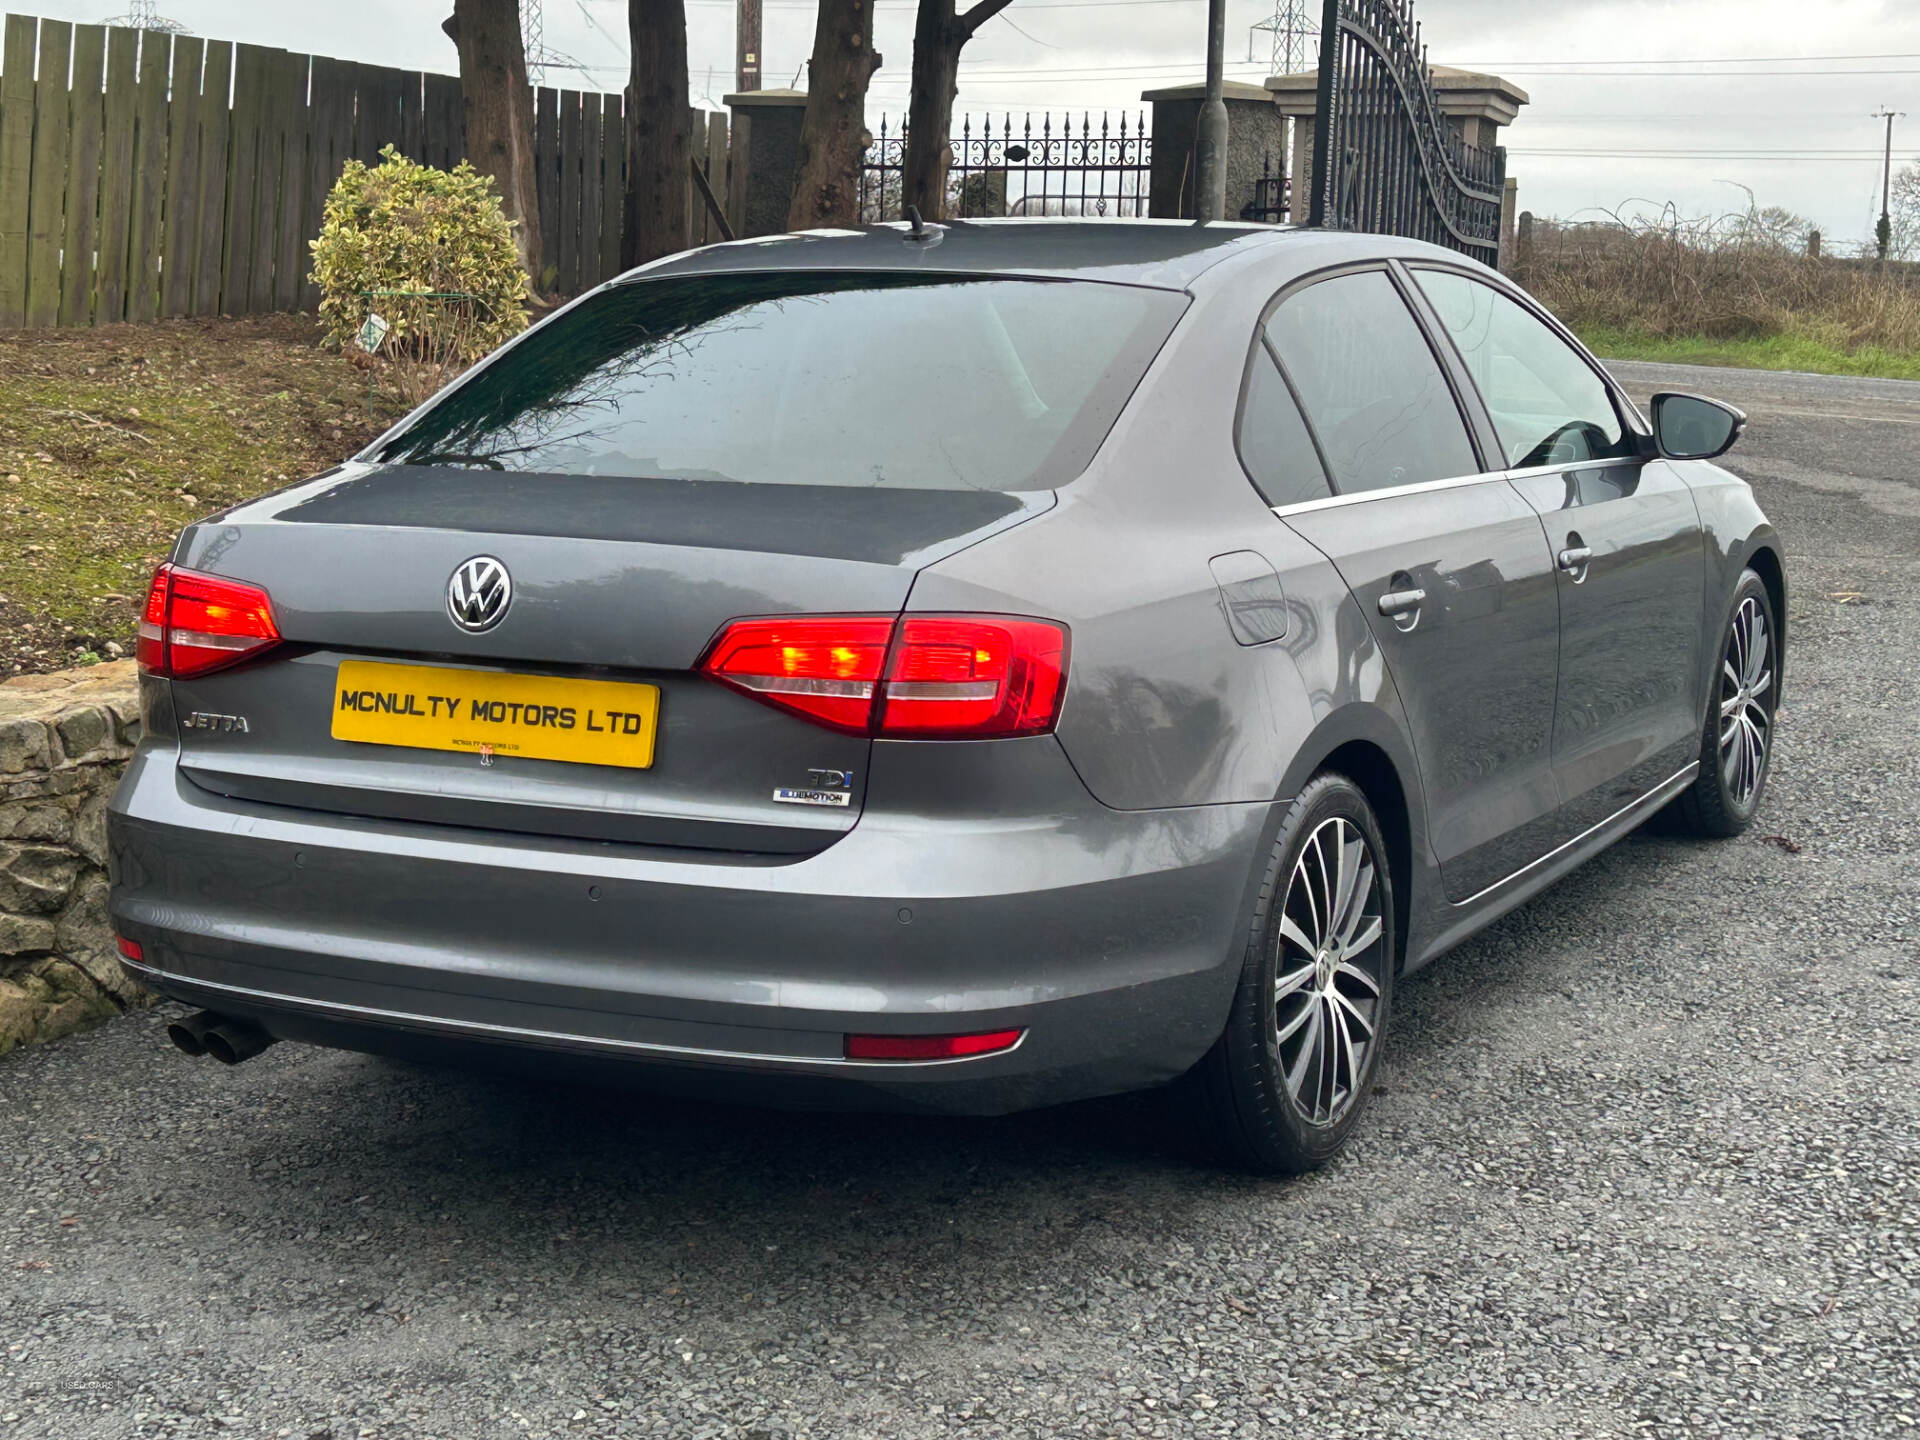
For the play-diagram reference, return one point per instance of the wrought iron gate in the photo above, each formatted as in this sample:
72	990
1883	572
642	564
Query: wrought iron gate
1038	168
1385	159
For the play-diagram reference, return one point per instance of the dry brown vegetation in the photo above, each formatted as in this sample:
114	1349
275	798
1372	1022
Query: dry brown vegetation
1724	280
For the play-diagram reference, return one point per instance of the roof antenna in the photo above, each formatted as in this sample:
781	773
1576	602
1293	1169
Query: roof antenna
922	233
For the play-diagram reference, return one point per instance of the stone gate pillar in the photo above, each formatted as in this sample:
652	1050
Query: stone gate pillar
1294	99
1256	137
763	159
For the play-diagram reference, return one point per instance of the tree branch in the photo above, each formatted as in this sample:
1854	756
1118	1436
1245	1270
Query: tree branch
970	22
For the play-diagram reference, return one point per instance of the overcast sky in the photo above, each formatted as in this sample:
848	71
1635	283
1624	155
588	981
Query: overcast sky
1771	94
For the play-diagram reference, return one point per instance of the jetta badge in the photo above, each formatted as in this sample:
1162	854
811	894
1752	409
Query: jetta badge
479	593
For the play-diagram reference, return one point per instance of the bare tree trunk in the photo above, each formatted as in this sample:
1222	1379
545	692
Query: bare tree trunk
939	34
833	134
658	132
499	113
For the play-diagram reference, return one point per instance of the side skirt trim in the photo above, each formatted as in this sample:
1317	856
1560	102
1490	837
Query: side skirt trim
1463	918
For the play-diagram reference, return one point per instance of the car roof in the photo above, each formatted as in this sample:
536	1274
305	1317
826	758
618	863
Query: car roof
1165	253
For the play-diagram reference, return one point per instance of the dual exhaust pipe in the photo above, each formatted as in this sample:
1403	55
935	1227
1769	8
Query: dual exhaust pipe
226	1039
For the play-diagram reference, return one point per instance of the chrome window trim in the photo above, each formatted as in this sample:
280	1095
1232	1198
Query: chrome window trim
1301	507
1361	497
1612	462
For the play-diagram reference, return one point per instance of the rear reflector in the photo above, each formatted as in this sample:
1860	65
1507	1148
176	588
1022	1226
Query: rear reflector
926	677
195	623
130	948
930	1047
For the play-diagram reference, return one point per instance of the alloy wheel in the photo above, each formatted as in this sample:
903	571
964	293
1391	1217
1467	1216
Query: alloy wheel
1329	973
1746	717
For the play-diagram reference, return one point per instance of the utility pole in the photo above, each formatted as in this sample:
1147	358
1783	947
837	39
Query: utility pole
1883	232
1210	139
747	45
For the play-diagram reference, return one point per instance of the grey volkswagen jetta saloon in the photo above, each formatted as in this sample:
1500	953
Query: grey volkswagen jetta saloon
965	670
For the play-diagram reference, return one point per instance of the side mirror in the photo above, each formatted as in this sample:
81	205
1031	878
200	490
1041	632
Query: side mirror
1692	427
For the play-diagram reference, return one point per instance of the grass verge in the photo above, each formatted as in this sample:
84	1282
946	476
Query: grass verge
112	440
1774	352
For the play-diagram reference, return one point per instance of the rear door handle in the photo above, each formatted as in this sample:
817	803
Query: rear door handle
1399	602
1575	557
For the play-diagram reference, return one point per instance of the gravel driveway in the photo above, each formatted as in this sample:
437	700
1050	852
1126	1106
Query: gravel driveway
1647	1163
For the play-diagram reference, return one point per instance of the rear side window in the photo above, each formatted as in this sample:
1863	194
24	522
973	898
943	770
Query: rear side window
1377	399
1548	406
1274	444
937	382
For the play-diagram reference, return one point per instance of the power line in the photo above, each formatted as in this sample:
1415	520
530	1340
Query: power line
980	77
1709	74
1721	151
1736	157
1873	160
1698	60
1036	5
1123	72
1087	75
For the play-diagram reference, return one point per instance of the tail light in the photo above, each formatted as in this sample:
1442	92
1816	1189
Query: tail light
826	669
930	1047
918	677
195	623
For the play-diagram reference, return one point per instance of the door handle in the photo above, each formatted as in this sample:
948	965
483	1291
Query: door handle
1575	557
1400	602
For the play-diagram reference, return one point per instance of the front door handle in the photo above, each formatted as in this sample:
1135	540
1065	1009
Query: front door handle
1402	602
1575	557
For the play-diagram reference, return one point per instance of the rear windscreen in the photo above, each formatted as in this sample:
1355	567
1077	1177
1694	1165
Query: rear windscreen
810	378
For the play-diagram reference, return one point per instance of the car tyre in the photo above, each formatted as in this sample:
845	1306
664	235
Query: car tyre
1736	743
1290	1076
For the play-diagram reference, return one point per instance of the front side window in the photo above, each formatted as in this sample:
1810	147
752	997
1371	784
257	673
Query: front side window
938	382
1373	391
1547	404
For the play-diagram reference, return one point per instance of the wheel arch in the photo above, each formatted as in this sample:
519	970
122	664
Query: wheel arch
1368	766
1362	743
1764	560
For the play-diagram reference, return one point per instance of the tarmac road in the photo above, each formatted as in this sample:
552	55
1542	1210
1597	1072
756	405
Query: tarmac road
1647	1163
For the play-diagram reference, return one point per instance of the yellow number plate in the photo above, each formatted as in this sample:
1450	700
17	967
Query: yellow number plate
536	717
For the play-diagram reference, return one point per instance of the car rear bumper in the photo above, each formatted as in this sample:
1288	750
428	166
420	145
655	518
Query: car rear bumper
1110	937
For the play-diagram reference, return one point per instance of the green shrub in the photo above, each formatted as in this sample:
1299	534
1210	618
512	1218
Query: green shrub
439	245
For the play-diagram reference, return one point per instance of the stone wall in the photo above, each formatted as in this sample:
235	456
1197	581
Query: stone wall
64	740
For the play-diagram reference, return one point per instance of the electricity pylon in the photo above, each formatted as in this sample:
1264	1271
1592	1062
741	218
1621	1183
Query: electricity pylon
533	37
140	16
1296	39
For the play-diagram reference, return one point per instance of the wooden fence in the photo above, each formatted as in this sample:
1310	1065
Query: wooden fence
145	175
